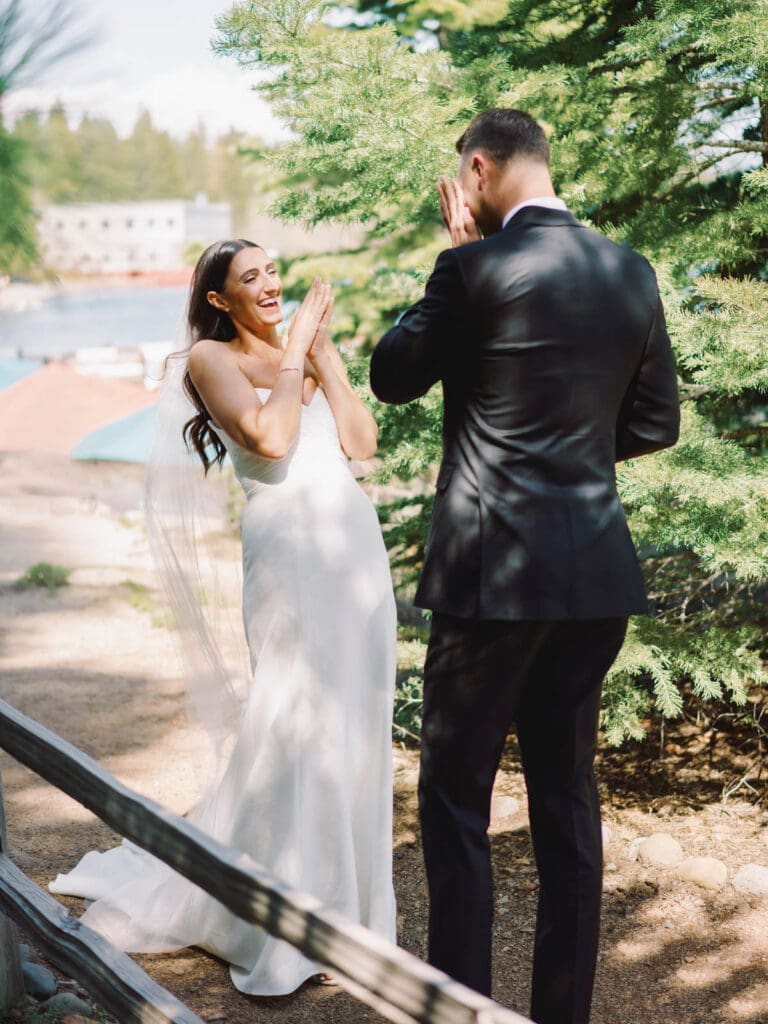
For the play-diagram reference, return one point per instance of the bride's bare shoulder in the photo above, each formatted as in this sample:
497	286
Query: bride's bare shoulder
208	348
207	353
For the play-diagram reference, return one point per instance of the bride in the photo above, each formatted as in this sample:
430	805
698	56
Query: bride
307	789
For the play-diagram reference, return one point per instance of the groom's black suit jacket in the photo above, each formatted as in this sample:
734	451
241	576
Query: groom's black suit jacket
551	345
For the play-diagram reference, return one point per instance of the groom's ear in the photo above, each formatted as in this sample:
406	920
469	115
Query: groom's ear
479	169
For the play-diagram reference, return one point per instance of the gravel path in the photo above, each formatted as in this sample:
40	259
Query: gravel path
91	662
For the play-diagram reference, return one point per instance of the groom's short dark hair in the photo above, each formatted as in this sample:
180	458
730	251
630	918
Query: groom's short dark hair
505	133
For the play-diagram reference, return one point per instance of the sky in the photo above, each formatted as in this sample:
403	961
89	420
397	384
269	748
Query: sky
154	54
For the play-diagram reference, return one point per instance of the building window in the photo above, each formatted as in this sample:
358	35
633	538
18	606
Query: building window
129	222
59	224
83	225
171	222
151	222
105	224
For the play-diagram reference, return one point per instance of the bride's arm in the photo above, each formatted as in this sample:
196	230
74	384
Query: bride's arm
356	426
265	428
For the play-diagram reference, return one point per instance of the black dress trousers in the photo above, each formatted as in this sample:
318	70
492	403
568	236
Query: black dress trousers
545	677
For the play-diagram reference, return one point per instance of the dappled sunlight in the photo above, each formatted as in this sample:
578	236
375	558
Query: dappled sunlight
636	949
702	972
749	1007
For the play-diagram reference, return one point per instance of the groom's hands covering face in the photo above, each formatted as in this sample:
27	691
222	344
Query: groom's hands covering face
455	213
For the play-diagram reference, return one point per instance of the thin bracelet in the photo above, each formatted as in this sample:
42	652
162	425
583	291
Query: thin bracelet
289	369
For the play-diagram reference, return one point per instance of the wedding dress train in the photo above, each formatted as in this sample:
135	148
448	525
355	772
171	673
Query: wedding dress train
307	790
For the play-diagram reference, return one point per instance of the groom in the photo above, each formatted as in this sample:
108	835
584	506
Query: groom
551	347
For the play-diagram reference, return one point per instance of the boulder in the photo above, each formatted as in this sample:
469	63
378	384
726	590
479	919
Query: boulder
503	807
752	878
708	872
661	850
38	981
66	1003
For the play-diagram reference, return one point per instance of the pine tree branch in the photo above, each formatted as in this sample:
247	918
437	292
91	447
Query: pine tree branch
738	145
638	62
693	392
720	101
708	84
688	178
419	79
619	65
759	428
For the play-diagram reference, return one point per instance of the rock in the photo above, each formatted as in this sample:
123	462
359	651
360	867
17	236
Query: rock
660	849
66	1003
708	872
38	981
503	807
607	834
27	953
752	878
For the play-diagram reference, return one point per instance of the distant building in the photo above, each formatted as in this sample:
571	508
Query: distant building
129	237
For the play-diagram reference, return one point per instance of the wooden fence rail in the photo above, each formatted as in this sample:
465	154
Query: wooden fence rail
392	981
118	984
11	981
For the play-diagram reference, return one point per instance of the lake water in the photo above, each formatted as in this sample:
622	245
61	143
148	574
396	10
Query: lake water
121	317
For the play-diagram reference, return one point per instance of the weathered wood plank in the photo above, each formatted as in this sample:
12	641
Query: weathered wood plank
379	972
115	981
11	980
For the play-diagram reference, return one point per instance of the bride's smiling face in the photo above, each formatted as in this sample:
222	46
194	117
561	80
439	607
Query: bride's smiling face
252	291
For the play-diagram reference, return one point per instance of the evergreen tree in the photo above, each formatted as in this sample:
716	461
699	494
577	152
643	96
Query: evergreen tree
195	163
236	178
658	111
152	161
59	159
31	36
91	163
102	177
17	219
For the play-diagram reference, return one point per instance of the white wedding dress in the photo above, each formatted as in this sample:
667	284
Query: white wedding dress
307	791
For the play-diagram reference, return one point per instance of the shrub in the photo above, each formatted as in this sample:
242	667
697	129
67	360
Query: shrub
44	574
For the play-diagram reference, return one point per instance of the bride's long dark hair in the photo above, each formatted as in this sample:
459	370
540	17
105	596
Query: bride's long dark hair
205	321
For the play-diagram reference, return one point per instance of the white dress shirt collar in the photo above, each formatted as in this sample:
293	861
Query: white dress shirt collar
550	202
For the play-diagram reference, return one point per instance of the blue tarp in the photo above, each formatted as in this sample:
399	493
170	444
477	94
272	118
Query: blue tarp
13	369
125	440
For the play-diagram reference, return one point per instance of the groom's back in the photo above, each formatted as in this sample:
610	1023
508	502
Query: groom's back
527	522
562	315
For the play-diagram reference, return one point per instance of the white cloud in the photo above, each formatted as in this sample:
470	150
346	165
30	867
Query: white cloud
152	55
177	99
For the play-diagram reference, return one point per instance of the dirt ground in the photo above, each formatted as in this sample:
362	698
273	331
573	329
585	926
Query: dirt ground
94	662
